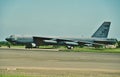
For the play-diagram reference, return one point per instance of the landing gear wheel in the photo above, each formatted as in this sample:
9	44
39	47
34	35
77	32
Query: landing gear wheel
70	47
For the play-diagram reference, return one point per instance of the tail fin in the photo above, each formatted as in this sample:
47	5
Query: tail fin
102	31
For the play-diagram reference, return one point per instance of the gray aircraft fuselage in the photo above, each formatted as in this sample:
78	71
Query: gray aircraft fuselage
24	40
98	38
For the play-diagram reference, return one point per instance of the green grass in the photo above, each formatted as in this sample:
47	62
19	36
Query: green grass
105	50
46	47
76	49
8	75
81	74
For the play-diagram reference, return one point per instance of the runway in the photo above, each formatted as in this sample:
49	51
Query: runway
42	59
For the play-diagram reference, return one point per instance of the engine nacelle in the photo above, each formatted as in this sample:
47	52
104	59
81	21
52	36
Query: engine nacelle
71	43
50	42
89	45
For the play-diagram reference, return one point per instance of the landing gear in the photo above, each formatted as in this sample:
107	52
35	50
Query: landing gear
70	47
30	46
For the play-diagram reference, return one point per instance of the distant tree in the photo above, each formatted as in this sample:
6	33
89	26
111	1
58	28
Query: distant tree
4	43
119	44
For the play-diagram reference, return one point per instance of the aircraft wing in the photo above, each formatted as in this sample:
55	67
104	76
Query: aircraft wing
53	41
87	43
63	41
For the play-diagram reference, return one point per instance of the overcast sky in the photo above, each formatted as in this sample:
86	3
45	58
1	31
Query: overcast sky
75	18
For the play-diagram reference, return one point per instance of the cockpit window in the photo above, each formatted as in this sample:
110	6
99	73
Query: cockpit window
13	37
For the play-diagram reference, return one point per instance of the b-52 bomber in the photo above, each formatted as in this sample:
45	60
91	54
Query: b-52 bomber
99	38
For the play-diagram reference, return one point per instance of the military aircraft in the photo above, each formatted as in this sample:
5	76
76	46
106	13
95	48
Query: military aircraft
99	38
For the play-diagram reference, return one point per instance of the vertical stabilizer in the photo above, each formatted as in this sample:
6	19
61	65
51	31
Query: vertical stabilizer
102	31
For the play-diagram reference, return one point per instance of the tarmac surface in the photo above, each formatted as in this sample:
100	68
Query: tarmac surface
55	60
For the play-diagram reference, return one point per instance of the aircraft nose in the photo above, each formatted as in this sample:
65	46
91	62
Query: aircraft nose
8	39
